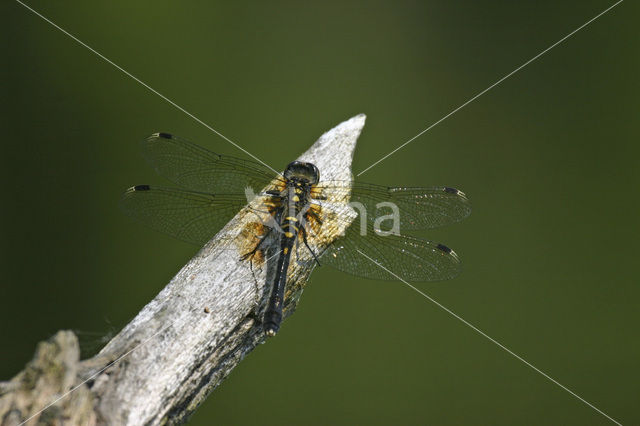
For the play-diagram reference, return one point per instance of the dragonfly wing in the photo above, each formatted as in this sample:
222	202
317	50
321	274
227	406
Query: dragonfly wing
193	217
198	169
417	208
391	257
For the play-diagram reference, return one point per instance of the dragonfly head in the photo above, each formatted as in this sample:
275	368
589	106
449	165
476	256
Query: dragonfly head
301	172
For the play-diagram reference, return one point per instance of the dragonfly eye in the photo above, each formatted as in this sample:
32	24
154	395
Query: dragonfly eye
301	171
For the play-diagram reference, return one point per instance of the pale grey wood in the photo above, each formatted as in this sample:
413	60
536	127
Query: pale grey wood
183	343
53	371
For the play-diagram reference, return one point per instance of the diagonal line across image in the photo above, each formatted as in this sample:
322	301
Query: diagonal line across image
490	87
368	168
128	74
491	339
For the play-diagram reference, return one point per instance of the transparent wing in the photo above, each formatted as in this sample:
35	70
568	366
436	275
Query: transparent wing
410	259
418	208
193	217
198	169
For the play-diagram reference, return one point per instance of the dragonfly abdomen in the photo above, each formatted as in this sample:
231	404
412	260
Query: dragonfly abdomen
273	315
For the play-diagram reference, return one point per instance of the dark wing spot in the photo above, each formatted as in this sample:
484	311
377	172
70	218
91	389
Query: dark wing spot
451	190
141	188
165	135
443	248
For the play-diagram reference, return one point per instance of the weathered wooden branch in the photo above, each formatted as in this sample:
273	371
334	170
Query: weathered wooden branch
181	345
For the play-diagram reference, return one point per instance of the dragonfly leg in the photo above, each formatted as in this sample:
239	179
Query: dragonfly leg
276	198
304	238
253	210
315	216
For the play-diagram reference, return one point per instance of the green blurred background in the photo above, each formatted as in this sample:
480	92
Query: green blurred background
549	159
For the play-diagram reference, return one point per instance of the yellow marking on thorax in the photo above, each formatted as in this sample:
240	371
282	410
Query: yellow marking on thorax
288	234
296	198
286	250
291	218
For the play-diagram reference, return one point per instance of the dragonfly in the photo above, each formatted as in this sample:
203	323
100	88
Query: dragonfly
297	211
